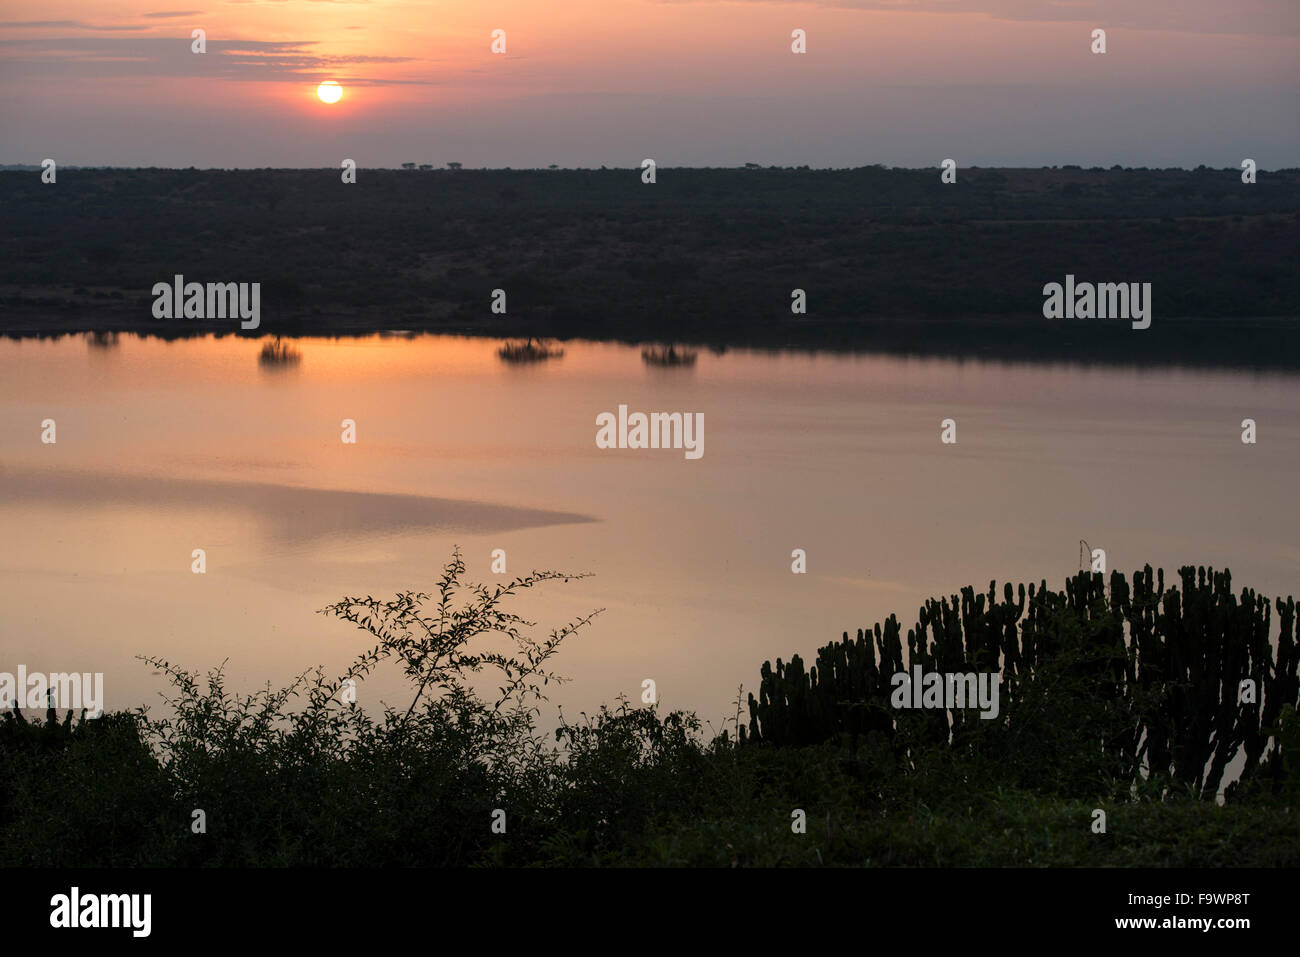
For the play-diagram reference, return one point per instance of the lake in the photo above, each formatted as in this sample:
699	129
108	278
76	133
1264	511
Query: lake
166	447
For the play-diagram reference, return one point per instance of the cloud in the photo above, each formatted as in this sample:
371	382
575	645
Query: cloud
164	14
251	60
1245	17
58	25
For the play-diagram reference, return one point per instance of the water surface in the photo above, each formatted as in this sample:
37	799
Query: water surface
165	447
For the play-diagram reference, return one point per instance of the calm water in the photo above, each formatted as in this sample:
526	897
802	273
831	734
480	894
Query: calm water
167	447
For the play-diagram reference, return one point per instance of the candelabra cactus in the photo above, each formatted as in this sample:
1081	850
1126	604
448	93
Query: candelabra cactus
1189	676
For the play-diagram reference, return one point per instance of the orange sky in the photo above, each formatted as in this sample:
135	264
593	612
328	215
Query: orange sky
591	82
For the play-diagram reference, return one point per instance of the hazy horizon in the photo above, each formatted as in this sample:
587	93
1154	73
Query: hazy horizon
397	168
991	83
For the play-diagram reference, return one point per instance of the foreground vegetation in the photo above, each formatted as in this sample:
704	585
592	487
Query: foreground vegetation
301	776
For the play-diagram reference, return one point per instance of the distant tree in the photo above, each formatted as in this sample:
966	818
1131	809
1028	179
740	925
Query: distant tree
453	165
752	166
408	166
426	166
553	166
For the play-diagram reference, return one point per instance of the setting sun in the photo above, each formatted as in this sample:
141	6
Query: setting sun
329	92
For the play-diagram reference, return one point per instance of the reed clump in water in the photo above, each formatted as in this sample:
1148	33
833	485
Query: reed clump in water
530	351
278	355
668	356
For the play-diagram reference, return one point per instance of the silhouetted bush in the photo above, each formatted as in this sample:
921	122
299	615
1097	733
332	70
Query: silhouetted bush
326	783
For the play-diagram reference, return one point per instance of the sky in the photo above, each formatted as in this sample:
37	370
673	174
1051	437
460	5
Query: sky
585	83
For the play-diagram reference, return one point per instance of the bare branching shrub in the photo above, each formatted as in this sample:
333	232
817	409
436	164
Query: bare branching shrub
437	639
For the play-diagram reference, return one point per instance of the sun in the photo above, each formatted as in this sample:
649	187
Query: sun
329	92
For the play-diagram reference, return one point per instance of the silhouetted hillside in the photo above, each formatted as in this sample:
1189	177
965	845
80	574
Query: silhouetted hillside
703	255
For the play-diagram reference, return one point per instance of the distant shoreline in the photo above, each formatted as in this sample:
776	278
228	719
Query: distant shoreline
885	260
1264	343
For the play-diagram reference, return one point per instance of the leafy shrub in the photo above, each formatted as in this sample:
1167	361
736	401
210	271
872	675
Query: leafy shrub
301	776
